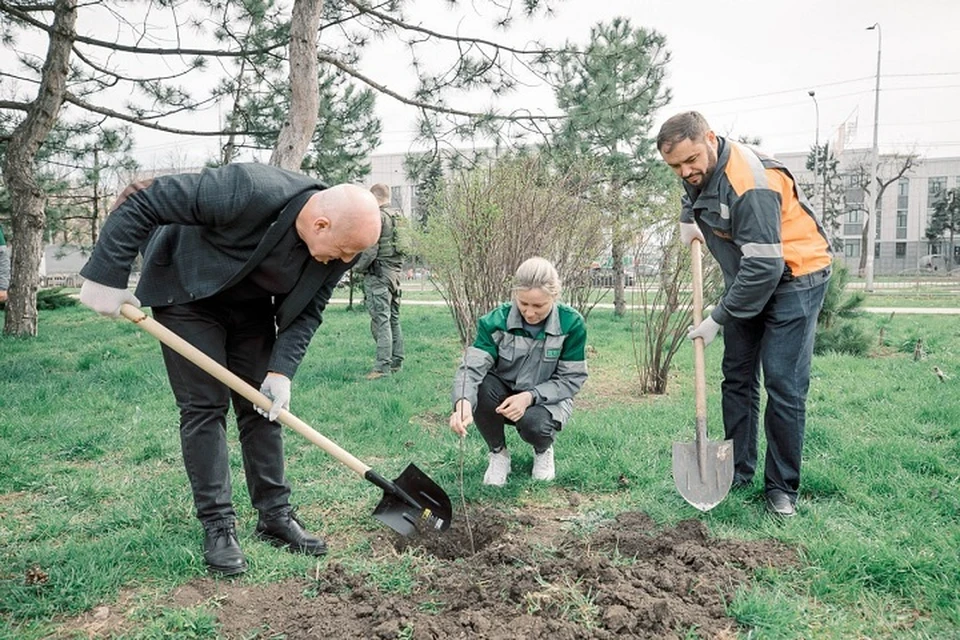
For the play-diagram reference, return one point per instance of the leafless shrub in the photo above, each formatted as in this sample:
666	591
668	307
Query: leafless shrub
485	221
665	299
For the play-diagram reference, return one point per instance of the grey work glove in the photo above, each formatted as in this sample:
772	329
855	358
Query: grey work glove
276	387
707	330
690	231
105	300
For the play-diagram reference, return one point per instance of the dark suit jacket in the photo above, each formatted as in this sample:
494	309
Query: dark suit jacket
202	233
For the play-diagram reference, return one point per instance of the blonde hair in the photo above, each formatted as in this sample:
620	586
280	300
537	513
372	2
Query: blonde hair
538	273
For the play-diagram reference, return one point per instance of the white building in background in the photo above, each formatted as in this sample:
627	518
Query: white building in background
901	243
388	169
905	210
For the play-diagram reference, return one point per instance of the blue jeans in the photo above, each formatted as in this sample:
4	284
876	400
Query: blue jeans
240	336
778	341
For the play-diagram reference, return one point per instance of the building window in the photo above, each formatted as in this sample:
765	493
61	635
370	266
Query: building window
853	215
936	186
396	198
903	193
851	249
901	249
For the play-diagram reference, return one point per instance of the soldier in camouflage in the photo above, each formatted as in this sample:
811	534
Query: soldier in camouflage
380	266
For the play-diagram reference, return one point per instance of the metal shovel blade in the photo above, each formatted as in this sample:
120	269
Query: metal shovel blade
702	469
703	485
413	503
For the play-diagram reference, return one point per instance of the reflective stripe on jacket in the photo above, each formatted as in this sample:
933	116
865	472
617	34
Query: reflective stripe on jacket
553	364
758	225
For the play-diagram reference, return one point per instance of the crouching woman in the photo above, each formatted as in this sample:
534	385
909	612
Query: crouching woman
524	368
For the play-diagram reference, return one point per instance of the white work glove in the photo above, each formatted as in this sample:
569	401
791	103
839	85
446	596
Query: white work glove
105	300
276	387
707	330
690	231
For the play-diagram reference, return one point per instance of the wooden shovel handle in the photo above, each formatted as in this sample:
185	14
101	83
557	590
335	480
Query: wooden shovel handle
699	366
221	373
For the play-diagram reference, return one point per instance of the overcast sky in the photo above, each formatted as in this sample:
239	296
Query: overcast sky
748	65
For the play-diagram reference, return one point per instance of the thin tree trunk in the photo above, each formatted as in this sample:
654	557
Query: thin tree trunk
616	254
95	221
297	131
27	199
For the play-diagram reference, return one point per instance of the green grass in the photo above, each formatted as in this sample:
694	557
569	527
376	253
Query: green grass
92	491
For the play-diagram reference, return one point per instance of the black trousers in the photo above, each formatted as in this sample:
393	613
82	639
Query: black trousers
240	336
537	426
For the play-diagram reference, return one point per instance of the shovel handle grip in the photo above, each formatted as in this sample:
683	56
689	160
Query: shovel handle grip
699	366
221	373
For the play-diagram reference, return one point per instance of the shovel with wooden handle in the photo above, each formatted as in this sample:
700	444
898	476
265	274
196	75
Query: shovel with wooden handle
412	503
703	469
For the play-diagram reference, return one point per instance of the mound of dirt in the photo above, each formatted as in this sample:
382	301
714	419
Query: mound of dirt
498	576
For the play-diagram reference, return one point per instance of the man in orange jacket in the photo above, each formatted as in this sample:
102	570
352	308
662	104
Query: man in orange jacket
775	259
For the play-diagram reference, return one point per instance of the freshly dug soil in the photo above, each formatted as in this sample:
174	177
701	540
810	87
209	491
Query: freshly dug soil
496	575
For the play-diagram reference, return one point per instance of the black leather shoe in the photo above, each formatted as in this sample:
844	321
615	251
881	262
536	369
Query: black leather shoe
287	531
221	550
780	504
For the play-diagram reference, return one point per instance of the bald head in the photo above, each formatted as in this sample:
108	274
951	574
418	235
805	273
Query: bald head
339	222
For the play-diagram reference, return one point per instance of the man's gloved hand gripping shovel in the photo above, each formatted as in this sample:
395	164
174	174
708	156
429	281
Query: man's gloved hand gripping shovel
410	504
702	470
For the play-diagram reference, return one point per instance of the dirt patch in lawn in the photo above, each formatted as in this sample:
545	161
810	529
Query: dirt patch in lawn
500	575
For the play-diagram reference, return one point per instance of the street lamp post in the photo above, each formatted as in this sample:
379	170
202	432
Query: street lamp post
875	162
816	147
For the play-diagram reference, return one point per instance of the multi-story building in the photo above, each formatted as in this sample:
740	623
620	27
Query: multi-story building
906	206
901	244
388	169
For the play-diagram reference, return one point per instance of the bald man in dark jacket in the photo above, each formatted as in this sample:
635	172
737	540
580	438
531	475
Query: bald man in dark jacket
241	262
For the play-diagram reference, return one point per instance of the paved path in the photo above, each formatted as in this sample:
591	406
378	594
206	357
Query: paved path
937	311
933	311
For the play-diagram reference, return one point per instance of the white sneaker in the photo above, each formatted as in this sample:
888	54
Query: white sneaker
543	468
498	468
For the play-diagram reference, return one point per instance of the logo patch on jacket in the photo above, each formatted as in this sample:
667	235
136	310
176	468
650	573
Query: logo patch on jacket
553	353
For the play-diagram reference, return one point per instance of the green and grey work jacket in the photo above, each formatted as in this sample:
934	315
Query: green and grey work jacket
551	366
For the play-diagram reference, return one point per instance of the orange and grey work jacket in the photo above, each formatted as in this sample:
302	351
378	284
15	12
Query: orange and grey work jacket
759	227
